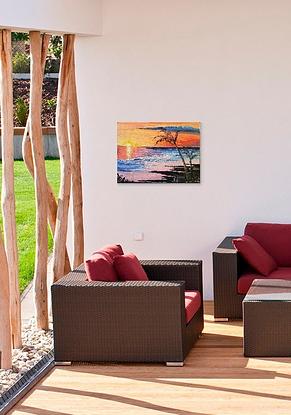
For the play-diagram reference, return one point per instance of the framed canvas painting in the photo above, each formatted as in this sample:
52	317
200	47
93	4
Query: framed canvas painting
158	152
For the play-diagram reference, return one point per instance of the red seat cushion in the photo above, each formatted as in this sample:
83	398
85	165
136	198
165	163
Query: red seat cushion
275	238
255	255
100	268
192	304
128	268
245	281
112	250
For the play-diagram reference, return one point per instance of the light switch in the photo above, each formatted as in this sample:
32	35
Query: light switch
138	236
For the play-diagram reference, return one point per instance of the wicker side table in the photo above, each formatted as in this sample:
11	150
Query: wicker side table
267	319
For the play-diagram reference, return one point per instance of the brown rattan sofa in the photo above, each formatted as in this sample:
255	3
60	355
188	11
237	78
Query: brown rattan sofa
133	321
233	276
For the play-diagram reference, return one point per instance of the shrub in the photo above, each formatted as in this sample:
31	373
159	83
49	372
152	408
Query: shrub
54	55
19	37
56	47
49	106
21	63
51	103
52	65
21	111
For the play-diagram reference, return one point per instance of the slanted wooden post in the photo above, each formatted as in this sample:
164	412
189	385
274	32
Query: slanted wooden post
77	194
8	195
65	159
40	181
28	159
5	321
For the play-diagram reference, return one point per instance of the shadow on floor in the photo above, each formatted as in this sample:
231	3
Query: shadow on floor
120	399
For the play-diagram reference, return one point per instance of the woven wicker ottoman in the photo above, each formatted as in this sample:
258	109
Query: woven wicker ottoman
267	319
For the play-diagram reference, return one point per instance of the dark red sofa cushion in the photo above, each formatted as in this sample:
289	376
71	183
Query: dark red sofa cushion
192	304
255	255
245	281
100	268
128	268
112	250
275	238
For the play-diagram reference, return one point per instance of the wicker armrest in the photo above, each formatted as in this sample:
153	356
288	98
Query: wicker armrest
225	263
225	273
69	282
173	270
226	246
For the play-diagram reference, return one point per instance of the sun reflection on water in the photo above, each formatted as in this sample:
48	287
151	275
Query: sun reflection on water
128	151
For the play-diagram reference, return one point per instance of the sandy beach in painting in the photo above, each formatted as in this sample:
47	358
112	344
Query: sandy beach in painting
158	153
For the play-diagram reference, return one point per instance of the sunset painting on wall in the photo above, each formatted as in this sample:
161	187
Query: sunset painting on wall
158	152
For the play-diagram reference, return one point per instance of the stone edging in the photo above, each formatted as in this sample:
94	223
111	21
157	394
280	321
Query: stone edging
45	130
50	75
26	290
26	383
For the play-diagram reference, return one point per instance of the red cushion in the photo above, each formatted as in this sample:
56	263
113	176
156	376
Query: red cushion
275	238
100	268
112	250
245	281
255	255
128	268
192	304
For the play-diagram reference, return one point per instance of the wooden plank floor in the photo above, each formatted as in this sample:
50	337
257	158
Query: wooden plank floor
216	379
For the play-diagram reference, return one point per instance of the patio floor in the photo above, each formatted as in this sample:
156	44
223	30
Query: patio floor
216	379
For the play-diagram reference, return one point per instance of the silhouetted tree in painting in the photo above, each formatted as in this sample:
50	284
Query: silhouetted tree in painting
170	135
191	154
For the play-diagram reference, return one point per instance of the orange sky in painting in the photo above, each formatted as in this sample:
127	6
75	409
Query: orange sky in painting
130	134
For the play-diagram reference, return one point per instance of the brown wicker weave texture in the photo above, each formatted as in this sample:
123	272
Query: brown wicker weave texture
130	321
227	266
267	319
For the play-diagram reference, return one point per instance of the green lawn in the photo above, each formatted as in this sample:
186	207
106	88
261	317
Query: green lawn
25	216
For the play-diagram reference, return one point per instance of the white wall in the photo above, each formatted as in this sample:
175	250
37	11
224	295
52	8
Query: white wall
226	63
68	16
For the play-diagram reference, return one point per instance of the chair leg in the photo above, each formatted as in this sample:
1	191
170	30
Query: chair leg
63	363
221	319
174	364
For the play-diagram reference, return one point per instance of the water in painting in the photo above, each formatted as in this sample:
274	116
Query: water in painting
165	152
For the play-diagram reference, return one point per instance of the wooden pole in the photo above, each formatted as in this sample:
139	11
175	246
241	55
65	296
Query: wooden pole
5	308
77	194
65	158
26	143
8	195
40	182
28	159
5	320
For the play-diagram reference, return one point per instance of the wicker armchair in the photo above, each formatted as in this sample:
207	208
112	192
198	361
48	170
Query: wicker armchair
134	321
228	265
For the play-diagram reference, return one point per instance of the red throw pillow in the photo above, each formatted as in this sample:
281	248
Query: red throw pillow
128	268
111	250
100	268
255	255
